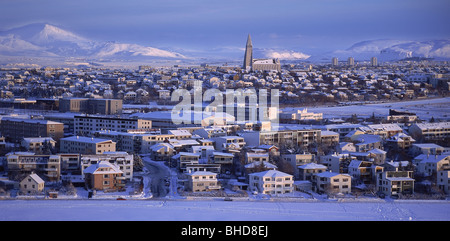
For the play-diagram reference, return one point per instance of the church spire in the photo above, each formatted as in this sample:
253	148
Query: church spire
248	58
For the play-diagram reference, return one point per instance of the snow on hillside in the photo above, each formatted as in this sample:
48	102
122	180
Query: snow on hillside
50	33
390	49
121	49
427	49
54	41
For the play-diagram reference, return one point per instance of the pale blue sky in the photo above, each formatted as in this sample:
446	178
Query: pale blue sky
302	25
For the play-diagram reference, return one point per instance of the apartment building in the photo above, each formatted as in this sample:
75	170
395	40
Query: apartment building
332	183
283	137
87	125
271	182
48	166
17	128
429	165
91	105
430	131
186	158
223	143
336	162
122	160
202	181
364	171
306	172
38	144
104	176
393	183
443	181
86	145
385	130
297	160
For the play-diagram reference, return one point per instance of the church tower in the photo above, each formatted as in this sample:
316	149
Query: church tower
248	58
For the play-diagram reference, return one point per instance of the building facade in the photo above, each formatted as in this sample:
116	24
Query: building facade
104	176
86	125
17	128
48	166
91	106
271	182
86	145
393	183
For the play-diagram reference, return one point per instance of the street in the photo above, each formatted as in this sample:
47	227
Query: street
158	176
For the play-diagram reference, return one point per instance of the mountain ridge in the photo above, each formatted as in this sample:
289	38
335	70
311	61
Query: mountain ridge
48	40
55	41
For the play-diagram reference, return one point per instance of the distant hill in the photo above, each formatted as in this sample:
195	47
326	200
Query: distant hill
389	49
45	40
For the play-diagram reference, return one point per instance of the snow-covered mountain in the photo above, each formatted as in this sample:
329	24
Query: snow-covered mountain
390	49
428	49
37	40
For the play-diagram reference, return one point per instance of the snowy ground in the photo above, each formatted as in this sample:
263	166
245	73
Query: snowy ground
219	210
425	109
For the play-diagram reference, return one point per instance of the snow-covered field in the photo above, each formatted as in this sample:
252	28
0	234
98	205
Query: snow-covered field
219	210
425	109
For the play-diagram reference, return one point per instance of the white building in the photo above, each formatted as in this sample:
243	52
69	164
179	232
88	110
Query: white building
122	160
32	184
86	125
392	183
332	183
271	182
202	181
304	115
443	181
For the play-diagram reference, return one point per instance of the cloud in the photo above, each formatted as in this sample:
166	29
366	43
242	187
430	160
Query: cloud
286	54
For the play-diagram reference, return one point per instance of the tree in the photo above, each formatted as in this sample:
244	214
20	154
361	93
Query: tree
138	164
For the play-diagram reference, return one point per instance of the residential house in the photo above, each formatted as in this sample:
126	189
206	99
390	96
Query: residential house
431	164
202	181
104	176
297	160
329	138
162	152
229	143
307	171
271	182
363	171
426	148
122	160
185	158
443	181
49	166
39	145
385	130
256	155
392	183
367	142
32	184
400	141
336	162
332	183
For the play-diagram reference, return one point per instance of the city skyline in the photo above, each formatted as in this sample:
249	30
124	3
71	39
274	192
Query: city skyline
304	26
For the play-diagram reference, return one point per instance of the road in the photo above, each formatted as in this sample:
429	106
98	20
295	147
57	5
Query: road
157	176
